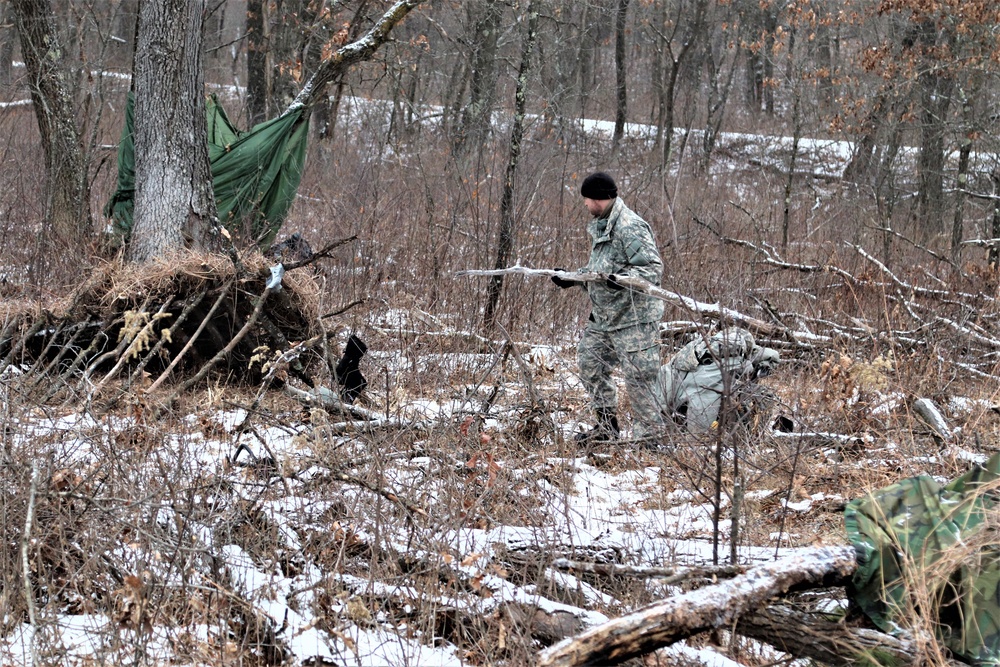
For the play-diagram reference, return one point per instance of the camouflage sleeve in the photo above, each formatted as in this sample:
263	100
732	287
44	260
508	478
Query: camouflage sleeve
641	254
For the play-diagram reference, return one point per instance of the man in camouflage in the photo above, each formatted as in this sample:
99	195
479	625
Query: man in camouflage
623	328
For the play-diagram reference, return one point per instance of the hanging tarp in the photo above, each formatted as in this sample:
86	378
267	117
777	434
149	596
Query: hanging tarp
922	543
255	174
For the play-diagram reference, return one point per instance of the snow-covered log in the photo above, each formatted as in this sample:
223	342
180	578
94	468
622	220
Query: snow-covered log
928	411
716	606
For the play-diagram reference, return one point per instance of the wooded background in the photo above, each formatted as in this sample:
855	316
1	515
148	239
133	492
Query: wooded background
428	152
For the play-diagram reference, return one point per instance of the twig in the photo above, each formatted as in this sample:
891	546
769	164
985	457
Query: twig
385	493
29	595
344	309
325	252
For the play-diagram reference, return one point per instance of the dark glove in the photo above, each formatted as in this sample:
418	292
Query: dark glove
613	283
564	284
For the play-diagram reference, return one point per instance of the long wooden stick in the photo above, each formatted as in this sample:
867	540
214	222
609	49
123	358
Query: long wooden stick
713	311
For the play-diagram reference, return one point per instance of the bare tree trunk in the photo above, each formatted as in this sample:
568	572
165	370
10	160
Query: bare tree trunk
829	642
476	115
505	244
67	209
286	41
257	69
174	204
7	38
825	62
964	153
325	116
718	95
668	89
587	54
935	97
621	74
994	254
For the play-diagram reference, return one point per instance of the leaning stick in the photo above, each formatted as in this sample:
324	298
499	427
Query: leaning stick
190	343
713	311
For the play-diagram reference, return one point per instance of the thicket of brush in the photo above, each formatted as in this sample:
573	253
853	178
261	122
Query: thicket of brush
127	537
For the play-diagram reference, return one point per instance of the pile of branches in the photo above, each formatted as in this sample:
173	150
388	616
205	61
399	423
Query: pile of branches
760	603
176	320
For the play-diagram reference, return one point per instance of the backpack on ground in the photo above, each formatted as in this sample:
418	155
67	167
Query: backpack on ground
694	382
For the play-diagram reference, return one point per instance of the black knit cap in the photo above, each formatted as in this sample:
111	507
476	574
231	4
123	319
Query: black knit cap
599	186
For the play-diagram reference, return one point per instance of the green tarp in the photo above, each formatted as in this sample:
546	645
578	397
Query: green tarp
255	174
922	544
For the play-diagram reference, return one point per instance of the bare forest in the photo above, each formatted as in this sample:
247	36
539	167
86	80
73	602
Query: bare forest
333	421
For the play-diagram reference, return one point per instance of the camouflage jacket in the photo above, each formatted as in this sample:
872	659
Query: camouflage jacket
622	243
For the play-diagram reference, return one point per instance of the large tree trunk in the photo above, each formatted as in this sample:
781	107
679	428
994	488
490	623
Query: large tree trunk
830	642
67	208
7	38
174	204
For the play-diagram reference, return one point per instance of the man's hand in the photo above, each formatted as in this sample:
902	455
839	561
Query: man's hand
613	282
564	284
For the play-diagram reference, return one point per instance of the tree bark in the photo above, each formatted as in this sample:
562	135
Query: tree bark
174	203
257	70
67	208
505	243
621	74
716	606
7	38
829	642
476	115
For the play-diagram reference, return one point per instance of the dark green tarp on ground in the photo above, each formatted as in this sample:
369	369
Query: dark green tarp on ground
255	174
919	536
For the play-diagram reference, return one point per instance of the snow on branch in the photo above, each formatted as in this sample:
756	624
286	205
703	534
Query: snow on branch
716	606
713	311
349	54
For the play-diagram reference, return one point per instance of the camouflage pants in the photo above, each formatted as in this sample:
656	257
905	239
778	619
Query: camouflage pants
636	350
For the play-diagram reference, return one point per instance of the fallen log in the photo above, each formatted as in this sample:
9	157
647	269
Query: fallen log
716	606
819	637
669	575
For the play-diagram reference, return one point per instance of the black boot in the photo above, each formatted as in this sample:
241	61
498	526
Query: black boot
605	431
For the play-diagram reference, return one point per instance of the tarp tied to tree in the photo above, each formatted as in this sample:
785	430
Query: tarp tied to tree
255	174
918	535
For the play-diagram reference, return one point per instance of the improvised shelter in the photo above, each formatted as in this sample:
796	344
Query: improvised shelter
255	174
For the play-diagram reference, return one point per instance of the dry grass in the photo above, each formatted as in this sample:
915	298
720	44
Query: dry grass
419	218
